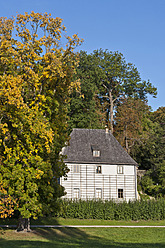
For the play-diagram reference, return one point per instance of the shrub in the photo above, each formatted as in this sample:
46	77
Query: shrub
111	210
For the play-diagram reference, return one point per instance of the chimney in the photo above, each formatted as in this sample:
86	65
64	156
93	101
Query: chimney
106	129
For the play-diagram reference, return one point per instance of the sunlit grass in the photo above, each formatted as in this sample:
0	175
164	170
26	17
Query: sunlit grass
85	237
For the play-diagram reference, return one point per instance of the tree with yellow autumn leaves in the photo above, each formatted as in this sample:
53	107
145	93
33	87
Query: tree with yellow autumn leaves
36	75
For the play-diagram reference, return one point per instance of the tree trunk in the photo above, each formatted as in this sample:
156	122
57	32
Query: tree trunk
126	140
23	225
111	111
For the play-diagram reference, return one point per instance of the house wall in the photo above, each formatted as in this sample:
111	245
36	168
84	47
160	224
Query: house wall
87	184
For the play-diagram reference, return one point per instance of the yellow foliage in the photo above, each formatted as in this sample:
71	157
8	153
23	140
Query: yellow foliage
39	174
36	77
7	203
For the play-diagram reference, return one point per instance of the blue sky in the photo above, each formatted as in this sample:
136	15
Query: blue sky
135	28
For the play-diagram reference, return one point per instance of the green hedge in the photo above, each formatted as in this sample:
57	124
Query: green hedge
110	210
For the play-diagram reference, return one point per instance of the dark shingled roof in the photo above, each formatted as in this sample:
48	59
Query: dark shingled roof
84	141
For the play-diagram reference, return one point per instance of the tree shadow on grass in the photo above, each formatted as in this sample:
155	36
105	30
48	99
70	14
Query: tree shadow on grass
81	237
68	237
72	237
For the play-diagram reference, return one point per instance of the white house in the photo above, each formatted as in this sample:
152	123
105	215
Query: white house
99	167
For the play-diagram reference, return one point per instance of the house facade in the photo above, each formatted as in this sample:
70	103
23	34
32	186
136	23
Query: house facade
99	167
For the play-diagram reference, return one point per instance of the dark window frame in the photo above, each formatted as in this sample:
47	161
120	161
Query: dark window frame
120	193
98	169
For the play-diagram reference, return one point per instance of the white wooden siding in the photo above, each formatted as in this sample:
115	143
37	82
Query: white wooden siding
87	181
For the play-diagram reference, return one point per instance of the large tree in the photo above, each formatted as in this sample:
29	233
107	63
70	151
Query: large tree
142	133
109	77
36	74
120	79
129	122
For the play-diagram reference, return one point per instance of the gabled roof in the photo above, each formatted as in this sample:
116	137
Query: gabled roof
84	141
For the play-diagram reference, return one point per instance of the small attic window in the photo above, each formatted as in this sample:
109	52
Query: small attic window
96	153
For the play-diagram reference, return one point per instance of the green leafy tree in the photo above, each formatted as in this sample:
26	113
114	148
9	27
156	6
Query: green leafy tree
150	150
149	153
107	76
119	79
153	182
36	75
85	110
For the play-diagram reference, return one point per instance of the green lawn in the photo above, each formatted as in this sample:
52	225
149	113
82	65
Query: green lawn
62	221
85	237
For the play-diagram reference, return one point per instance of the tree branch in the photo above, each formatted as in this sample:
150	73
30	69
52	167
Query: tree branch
105	86
102	96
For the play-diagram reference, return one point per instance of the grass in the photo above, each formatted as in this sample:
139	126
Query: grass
85	238
62	221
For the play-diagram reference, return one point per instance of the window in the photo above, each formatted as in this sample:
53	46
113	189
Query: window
76	168
96	153
98	193
120	193
98	169
76	193
120	169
